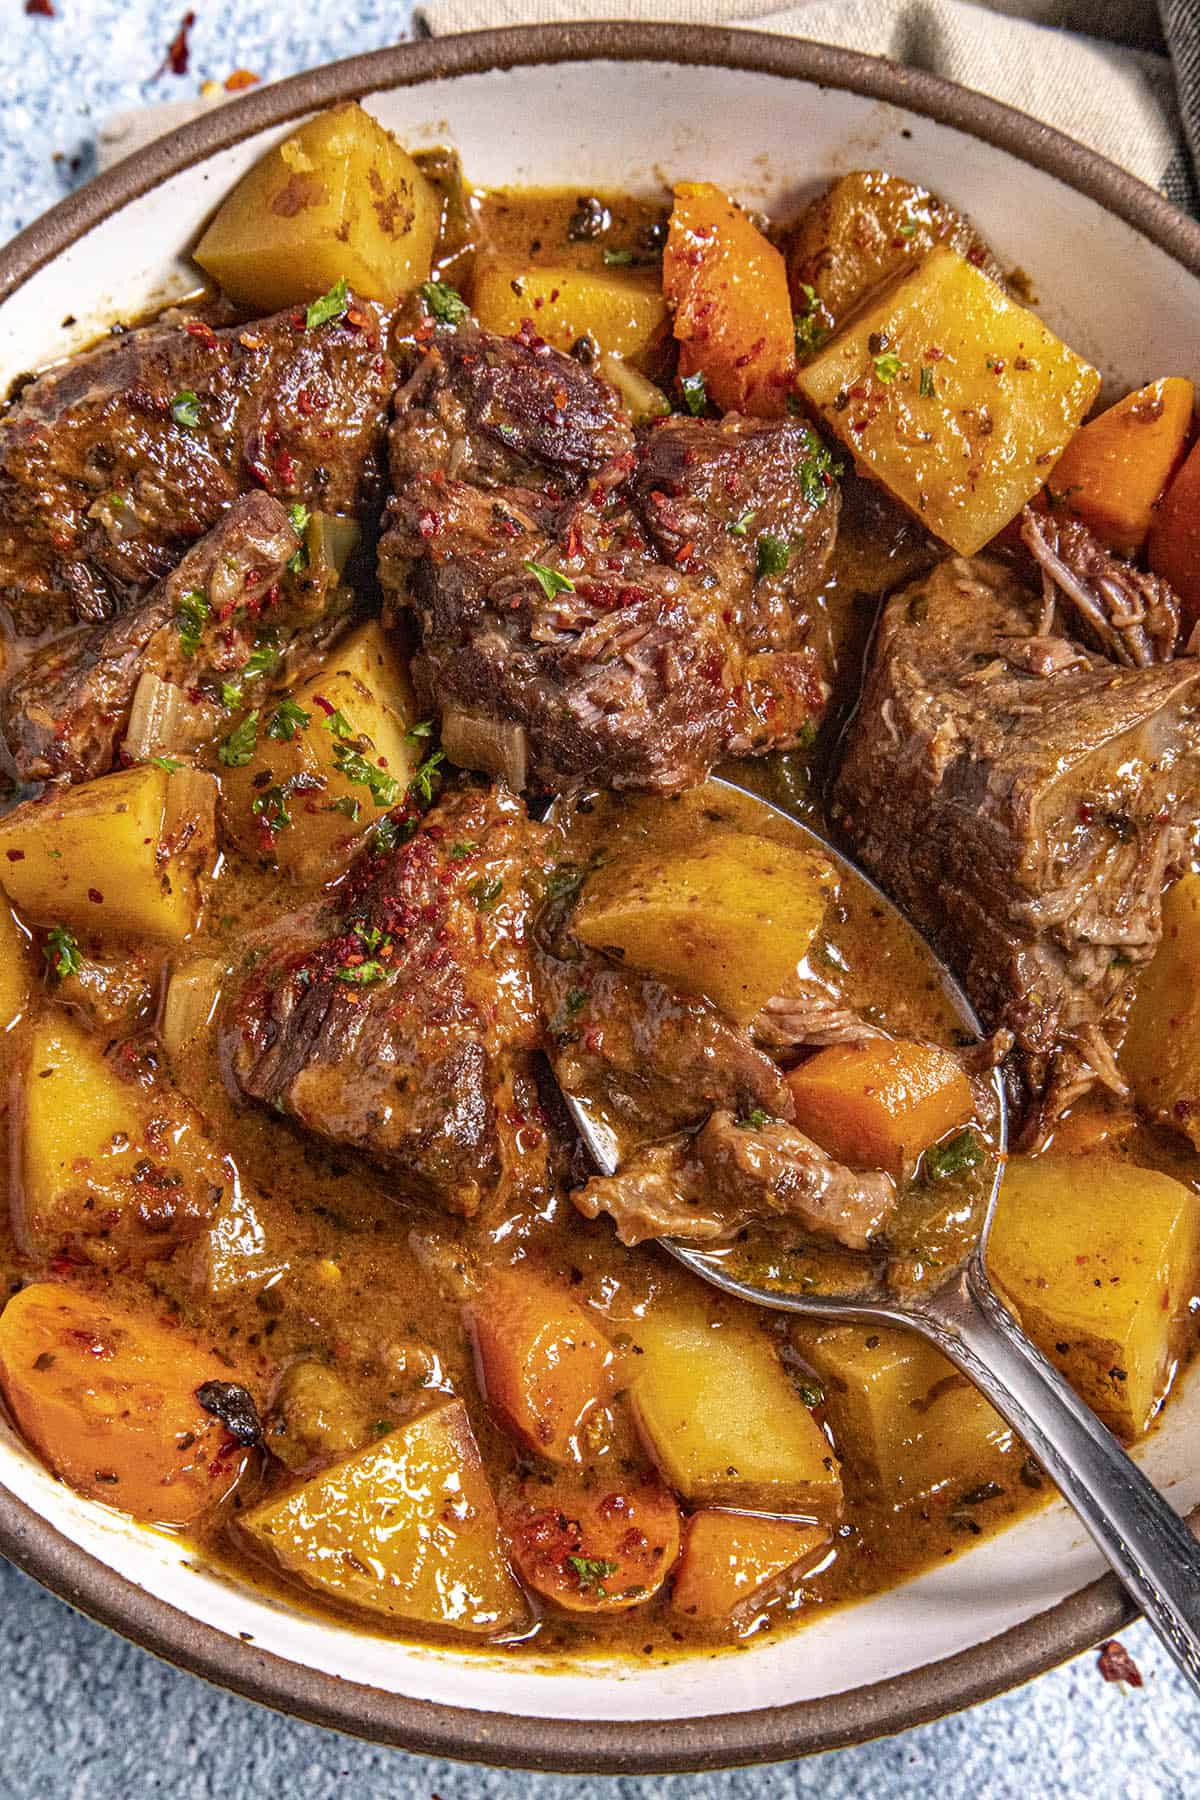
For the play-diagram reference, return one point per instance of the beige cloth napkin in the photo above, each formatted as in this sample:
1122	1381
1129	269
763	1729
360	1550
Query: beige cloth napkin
1096	82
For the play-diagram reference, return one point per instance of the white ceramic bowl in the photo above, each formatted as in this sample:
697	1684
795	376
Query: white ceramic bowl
1117	272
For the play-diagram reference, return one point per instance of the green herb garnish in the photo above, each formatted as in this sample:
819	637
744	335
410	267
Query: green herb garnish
813	324
771	555
61	951
444	302
549	580
236	750
817	471
355	767
330	306
347	805
695	393
463	848
185	409
618	259
962	1151
169	763
887	365
299	515
271	807
336	722
189	620
757	1120
422	782
361	974
738	528
286	721
485	892
591	1571
927	387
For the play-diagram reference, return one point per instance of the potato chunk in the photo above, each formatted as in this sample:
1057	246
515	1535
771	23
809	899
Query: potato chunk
959	401
623	310
902	1417
723	1422
115	1165
877	1105
544	1363
120	856
406	1527
1161	1052
109	1400
328	761
732	918
734	1564
1101	1259
338	200
16	981
600	1548
727	287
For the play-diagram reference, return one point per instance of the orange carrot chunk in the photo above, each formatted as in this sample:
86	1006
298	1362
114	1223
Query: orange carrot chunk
879	1104
733	1564
544	1363
728	289
1116	468
600	1548
1175	537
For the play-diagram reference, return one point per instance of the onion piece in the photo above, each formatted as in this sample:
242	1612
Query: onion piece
496	746
331	540
162	719
640	398
191	1000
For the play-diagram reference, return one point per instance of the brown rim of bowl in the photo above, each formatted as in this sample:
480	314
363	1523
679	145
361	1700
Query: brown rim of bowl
771	1734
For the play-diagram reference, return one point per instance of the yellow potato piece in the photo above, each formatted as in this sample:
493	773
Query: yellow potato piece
1101	1258
359	706
15	978
625	312
900	1414
732	918
118	856
959	401
722	1420
406	1528
338	200
109	1169
1161	1052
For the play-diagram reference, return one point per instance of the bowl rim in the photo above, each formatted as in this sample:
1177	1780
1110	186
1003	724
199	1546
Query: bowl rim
719	1740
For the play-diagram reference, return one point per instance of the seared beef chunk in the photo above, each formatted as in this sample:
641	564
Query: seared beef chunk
1024	800
66	711
396	1018
1129	615
632	610
734	1171
113	464
651	1058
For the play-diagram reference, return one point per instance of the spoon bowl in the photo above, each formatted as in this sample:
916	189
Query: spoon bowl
1147	1544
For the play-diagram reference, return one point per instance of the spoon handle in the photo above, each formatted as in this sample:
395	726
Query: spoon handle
1150	1548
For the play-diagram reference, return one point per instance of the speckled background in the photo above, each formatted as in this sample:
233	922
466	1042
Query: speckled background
83	1716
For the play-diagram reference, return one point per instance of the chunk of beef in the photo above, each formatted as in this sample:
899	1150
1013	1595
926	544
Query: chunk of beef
732	1173
810	1018
1121	611
105	479
66	710
1024	800
397	1019
650	1058
599	594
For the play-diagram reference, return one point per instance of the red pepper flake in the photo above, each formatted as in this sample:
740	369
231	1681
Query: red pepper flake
239	79
15	855
285	469
96	897
427	522
39	9
200	328
178	50
1115	1664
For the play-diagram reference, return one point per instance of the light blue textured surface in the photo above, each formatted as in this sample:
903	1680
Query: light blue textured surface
85	1716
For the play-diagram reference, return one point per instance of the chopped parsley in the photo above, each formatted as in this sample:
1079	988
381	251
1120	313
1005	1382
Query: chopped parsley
299	515
549	580
887	365
565	878
348	806
330	306
485	892
189	620
695	393
757	1120
286	721
771	555
231	694
590	1572
907	231
263	658
812	325
575	1001
422	782
618	259
423	729
738	528
61	951
927	387
361	974
444	302
463	848
337	723
810	1392
816	471
169	763
271	807
185	409
387	834
236	750
382	787
962	1151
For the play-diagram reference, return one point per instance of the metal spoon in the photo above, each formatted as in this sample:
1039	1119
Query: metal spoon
1148	1546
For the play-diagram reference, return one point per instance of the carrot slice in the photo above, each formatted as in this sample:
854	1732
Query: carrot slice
600	1549
1116	468
879	1104
1175	537
734	1563
544	1363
